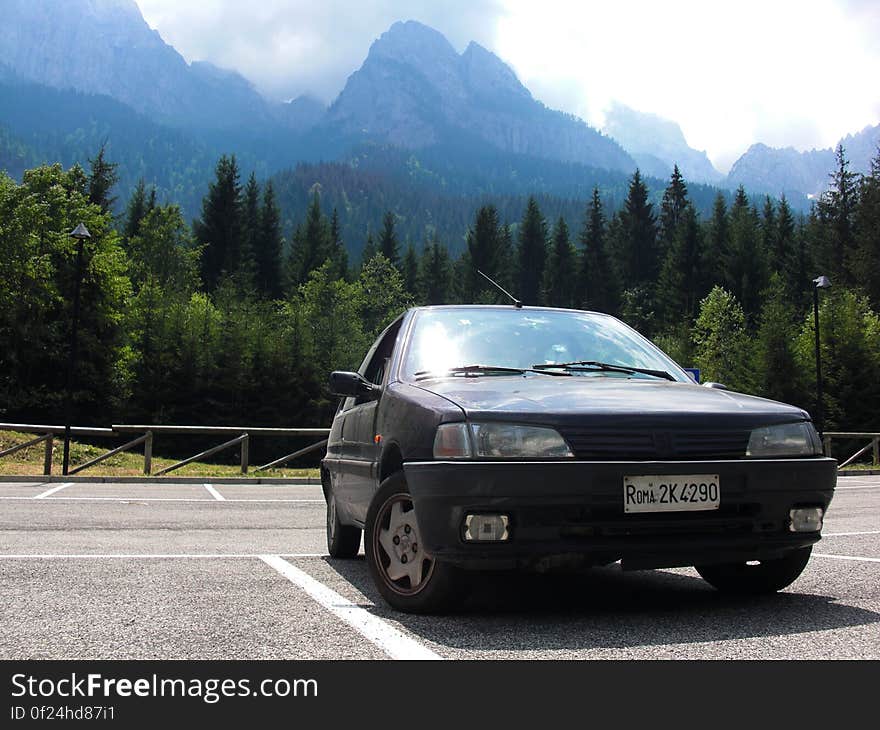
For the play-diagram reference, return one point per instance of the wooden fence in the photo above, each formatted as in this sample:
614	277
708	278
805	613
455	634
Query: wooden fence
147	433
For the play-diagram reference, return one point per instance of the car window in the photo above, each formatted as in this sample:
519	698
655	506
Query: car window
375	365
522	338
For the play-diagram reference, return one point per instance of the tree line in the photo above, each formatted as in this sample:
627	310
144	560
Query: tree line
236	318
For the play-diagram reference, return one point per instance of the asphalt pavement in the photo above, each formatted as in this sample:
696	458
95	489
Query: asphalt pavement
219	571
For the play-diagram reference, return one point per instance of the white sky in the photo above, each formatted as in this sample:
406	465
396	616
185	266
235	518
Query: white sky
783	72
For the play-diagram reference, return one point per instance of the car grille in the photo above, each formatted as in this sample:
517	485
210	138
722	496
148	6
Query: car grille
576	521
594	445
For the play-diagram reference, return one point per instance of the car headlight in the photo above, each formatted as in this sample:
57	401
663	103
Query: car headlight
787	439
498	440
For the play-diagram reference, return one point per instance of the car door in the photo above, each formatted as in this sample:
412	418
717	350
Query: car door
359	429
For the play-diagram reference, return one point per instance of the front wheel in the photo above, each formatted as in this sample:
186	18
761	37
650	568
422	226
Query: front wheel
408	578
767	576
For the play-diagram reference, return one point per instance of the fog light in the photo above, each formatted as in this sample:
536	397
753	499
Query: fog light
486	528
806	519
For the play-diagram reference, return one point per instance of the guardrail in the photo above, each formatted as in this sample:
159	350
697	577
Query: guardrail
873	444
242	437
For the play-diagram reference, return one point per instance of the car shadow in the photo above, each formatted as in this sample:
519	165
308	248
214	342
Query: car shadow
607	608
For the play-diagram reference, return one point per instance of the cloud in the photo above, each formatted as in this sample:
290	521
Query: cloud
783	72
731	74
290	47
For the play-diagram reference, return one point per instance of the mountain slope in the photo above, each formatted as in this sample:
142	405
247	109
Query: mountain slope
106	47
775	171
414	90
658	144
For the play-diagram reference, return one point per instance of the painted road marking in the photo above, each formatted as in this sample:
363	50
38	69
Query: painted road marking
871	486
846	557
850	534
158	499
153	556
389	639
53	490
214	493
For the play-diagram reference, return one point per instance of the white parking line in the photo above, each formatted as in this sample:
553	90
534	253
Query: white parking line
151	556
846	557
158	499
850	534
389	639
214	493
53	490
871	486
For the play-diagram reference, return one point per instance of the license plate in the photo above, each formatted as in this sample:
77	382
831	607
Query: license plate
671	493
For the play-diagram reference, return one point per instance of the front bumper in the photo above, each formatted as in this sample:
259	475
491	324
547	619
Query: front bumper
572	511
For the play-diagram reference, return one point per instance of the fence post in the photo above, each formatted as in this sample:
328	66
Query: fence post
47	459
148	453
876	451
827	441
244	453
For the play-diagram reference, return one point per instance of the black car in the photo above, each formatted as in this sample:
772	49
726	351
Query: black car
493	437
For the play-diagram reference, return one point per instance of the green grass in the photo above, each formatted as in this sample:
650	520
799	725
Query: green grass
29	462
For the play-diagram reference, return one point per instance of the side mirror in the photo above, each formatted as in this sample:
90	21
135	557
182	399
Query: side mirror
350	385
717	386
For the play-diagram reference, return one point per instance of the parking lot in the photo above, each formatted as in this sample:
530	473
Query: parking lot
193	571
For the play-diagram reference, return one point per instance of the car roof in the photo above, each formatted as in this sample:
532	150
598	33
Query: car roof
433	307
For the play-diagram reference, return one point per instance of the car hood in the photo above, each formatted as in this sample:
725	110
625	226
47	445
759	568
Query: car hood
601	400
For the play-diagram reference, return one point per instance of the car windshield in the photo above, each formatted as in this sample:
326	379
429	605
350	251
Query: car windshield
452	341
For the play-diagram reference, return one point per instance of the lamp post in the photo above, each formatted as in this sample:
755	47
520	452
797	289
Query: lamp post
81	234
821	282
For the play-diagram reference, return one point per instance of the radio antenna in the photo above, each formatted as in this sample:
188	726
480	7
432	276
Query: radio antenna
516	302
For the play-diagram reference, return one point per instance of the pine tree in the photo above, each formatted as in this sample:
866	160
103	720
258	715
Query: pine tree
219	230
269	245
435	274
338	254
716	252
597	288
680	274
388	245
789	257
483	254
135	210
532	253
775	365
672	210
102	178
747	261
836	209
560	276
864	259
246	270
410	270
311	242
637	235
370	250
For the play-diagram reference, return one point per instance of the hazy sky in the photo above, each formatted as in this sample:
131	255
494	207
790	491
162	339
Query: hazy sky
782	72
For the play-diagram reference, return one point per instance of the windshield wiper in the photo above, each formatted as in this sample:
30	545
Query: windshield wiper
588	365
481	370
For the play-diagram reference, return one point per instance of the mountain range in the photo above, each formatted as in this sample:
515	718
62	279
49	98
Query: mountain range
453	117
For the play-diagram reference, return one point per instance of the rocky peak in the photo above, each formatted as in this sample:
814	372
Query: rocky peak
413	44
106	47
651	139
488	75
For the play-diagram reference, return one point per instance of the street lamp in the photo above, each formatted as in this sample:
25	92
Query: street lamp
821	282
81	234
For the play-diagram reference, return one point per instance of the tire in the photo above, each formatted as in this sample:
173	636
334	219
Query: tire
768	576
343	541
437	586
